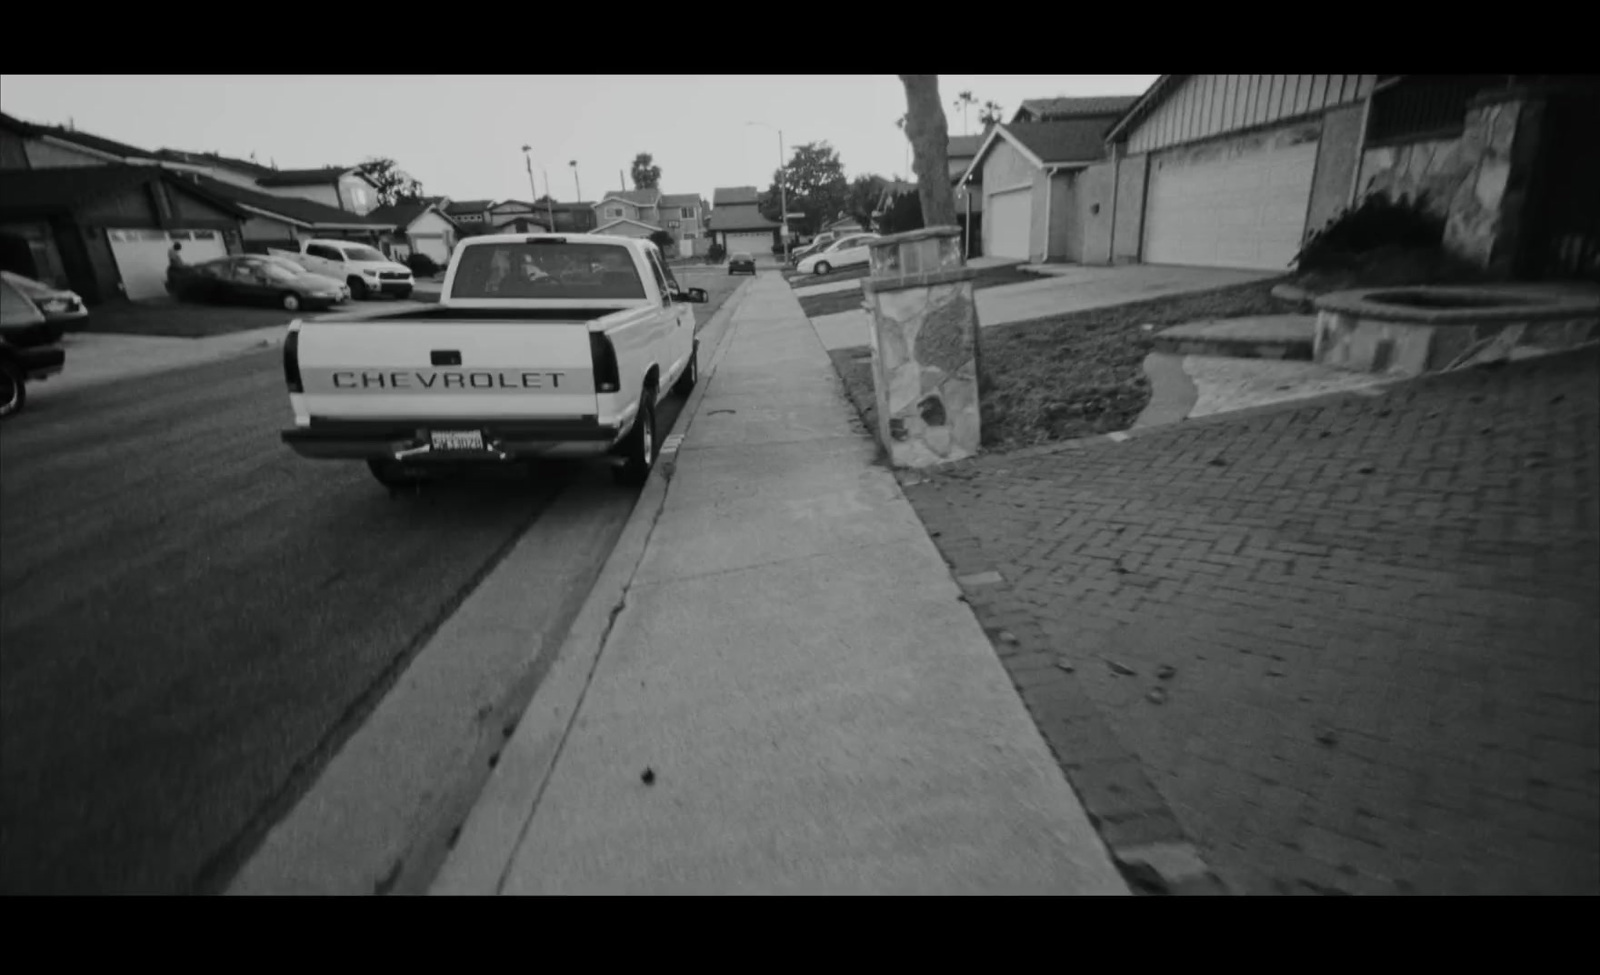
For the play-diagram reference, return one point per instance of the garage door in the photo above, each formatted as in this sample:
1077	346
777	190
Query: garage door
141	256
756	245
433	246
1009	217
1243	211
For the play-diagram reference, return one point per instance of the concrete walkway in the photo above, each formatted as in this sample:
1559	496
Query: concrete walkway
1074	289
793	697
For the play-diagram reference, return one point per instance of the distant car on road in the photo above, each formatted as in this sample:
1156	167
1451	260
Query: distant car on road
741	264
59	306
255	279
845	252
27	353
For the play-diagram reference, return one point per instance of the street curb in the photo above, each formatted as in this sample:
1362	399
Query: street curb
487	840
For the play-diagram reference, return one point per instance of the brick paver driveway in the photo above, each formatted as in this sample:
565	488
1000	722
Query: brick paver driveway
1347	647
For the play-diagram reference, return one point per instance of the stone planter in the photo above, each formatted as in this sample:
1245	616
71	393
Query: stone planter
924	347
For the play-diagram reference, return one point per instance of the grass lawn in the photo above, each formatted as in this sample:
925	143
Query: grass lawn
838	301
1070	376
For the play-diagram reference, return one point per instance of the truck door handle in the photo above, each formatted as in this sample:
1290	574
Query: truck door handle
446	357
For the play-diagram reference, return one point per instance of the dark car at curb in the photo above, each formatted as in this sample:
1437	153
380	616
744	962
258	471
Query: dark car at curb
29	349
253	279
741	264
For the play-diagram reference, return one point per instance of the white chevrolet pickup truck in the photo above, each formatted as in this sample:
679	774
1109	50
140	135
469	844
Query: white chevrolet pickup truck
540	346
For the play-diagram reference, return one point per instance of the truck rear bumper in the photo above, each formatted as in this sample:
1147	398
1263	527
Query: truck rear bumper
503	440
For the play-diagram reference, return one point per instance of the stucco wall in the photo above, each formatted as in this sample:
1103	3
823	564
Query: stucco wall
1094	214
1128	220
1005	167
358	194
1436	167
1066	239
1337	158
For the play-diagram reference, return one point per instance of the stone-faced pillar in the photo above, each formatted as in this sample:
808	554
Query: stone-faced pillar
1501	144
924	347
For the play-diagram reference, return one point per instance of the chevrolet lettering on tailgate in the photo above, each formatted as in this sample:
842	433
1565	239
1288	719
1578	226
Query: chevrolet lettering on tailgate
388	380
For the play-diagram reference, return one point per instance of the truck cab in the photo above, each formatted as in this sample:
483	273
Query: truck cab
541	345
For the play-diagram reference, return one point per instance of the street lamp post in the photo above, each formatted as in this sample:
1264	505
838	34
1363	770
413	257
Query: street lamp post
783	193
549	198
575	184
533	188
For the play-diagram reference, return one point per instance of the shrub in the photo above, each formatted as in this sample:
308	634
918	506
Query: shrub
422	265
717	254
1377	222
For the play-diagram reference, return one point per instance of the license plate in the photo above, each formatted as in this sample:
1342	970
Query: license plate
457	439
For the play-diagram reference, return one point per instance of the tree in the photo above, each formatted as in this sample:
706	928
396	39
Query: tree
991	114
663	240
964	103
930	143
646	175
394	185
815	185
862	199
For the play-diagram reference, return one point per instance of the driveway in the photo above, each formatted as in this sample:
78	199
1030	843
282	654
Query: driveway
1076	289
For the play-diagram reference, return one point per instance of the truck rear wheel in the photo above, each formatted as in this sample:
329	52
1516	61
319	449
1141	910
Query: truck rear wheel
641	444
13	388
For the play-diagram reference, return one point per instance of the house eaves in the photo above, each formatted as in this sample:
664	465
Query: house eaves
637	223
1146	103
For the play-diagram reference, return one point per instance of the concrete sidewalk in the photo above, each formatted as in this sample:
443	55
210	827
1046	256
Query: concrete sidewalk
792	697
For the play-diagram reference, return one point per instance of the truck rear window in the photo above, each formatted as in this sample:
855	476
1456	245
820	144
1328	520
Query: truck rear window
546	270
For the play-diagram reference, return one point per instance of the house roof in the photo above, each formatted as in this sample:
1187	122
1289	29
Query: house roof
58	189
468	206
962	146
1055	109
740	217
84	140
293	209
682	200
402	215
306	177
612	223
1144	104
245	166
647	197
734	195
1063	143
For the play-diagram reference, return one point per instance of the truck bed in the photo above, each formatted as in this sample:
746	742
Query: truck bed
439	313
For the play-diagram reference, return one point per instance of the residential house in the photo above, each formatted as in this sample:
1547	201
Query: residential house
420	228
686	216
629	213
737	224
570	218
517	217
99	216
470	216
1037	187
342	187
1237	170
104	231
1061	109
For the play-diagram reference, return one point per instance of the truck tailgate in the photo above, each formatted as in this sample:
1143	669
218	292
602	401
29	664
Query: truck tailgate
414	370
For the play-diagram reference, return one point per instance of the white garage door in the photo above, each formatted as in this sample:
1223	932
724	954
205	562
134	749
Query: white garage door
756	245
1247	211
1009	217
141	256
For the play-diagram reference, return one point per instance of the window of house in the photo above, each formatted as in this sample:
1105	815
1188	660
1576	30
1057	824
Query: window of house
672	224
613	213
688	213
1425	107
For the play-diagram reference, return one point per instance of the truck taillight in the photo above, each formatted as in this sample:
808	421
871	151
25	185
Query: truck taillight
291	362
604	357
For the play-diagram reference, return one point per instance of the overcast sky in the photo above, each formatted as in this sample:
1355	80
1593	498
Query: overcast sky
461	135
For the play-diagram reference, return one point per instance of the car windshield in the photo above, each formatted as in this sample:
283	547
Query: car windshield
363	254
28	286
276	272
285	264
547	270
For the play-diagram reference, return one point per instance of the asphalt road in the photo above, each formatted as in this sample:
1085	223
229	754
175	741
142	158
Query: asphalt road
192	618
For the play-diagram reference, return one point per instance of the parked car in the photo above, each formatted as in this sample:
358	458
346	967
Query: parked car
363	268
26	353
845	252
741	264
812	246
254	279
59	306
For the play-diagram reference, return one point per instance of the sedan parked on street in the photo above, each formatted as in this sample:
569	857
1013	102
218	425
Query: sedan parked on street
845	252
27	353
59	306
741	264
256	279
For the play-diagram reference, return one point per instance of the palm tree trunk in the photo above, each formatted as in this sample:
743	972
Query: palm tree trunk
930	140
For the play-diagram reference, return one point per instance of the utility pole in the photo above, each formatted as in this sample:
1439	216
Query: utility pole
783	193
576	185
549	198
533	189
